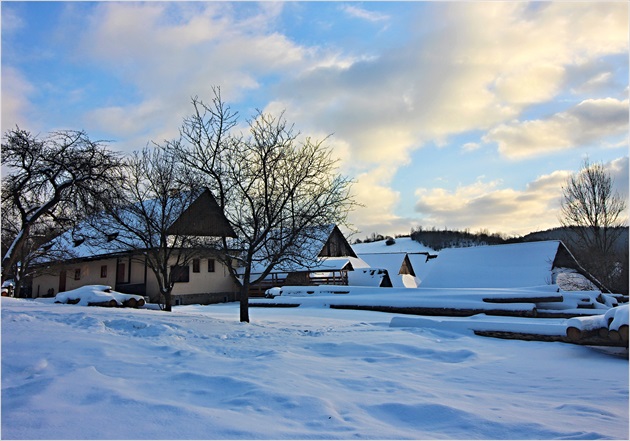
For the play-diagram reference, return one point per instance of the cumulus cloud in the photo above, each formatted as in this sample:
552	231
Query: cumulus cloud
488	205
170	52
373	191
485	205
593	121
16	90
482	67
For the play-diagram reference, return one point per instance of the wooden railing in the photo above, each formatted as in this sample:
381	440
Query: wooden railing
333	278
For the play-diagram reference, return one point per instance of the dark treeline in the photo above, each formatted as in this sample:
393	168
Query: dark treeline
438	239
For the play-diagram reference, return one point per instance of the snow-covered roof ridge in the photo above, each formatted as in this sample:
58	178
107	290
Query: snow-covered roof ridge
489	266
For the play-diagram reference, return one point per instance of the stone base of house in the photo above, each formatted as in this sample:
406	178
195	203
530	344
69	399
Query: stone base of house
205	298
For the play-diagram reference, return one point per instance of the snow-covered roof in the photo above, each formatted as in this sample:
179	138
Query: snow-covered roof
493	266
401	245
392	262
87	241
421	264
309	252
323	264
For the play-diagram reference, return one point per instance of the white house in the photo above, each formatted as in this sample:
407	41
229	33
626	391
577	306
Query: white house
204	280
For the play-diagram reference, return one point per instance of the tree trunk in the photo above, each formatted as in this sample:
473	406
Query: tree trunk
245	302
168	300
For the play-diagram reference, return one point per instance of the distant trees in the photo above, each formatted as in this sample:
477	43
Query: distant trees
595	213
50	183
273	186
437	239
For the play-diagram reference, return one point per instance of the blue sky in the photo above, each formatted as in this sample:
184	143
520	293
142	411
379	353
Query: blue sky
447	114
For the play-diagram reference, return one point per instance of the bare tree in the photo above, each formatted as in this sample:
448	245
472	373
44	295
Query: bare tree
153	199
595	213
274	188
50	184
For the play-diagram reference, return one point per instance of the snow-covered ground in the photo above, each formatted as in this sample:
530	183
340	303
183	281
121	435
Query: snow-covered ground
77	372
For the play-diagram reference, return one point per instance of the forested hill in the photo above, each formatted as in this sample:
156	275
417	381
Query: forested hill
566	235
439	239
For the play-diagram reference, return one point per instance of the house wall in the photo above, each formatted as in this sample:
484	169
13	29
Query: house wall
205	286
77	274
202	287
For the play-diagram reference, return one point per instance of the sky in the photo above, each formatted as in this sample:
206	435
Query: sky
463	115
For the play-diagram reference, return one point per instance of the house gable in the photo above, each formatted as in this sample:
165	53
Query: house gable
407	267
203	217
564	259
336	245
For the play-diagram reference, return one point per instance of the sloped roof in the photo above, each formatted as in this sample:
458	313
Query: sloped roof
421	263
494	266
197	216
324	264
400	267
313	247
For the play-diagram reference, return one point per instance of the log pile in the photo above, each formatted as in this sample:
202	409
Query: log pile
584	339
523	311
611	327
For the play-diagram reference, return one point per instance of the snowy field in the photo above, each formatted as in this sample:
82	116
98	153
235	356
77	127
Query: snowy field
78	372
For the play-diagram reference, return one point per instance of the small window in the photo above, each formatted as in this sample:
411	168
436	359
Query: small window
112	236
195	264
210	265
77	274
180	274
103	271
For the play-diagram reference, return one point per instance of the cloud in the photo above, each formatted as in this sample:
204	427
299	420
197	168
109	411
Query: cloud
170	52
593	121
618	170
484	65
11	20
485	205
364	14
373	191
16	105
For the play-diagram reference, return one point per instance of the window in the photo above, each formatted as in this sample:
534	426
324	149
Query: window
103	271
195	264
77	274
180	274
210	265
